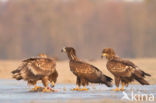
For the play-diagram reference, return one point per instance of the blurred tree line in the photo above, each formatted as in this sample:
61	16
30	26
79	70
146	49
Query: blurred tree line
29	27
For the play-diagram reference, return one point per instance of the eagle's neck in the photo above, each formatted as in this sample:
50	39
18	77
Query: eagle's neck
109	58
72	56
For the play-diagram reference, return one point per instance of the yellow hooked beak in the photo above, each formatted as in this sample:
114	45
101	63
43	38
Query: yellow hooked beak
103	54
52	84
63	50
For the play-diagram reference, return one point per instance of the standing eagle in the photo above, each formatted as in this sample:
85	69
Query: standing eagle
123	70
39	68
85	72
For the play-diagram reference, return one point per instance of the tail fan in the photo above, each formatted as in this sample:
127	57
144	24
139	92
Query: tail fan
106	80
146	74
142	81
140	75
16	74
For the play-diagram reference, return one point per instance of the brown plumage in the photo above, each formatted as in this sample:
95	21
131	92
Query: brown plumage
39	68
123	70
85	72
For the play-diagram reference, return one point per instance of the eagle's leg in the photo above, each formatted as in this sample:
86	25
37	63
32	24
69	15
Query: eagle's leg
122	87
35	87
84	83
45	83
78	82
117	82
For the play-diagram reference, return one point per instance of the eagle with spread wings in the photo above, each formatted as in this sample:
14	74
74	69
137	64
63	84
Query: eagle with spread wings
38	68
124	71
85	72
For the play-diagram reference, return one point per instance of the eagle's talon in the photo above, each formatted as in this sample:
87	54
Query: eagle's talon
84	89
117	89
46	90
36	88
122	89
75	89
39	87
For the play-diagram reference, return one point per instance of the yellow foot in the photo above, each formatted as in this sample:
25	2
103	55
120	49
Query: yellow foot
46	90
117	89
75	89
83	89
122	89
36	88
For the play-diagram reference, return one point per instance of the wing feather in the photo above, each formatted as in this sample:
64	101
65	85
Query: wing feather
125	62
84	70
125	68
89	72
41	66
121	67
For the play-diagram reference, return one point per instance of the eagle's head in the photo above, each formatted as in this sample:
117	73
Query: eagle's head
42	55
108	53
70	52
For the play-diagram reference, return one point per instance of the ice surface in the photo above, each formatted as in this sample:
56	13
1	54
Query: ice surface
17	92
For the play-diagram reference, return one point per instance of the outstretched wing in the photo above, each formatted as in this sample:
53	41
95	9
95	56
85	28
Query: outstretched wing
41	66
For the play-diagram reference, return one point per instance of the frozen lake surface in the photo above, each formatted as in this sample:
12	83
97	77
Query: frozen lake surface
12	91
